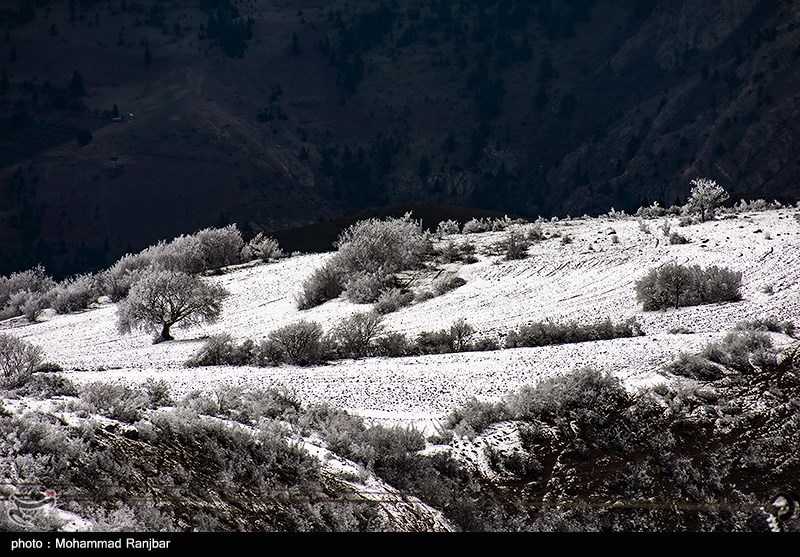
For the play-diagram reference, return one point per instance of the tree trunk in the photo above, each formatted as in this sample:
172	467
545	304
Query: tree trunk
165	332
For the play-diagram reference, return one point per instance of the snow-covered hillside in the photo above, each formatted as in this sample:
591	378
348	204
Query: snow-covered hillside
586	280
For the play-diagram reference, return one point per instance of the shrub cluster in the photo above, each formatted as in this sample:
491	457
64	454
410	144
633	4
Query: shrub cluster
755	205
474	416
653	211
695	366
30	292
451	252
458	338
262	247
770	324
25	293
359	336
369	255
674	285
447	283
223	350
114	400
536	233
585	396
745	349
477	225
392	299
740	350
447	227
548	333
301	343
362	335
208	249
515	245
18	361
677	239
75	294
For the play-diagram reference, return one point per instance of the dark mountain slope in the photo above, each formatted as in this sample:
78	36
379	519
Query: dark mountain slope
273	115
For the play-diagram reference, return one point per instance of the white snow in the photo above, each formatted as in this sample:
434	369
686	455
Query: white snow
590	279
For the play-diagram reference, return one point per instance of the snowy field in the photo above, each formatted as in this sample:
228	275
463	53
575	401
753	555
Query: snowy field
587	280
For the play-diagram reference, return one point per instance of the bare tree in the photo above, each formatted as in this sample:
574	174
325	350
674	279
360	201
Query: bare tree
161	299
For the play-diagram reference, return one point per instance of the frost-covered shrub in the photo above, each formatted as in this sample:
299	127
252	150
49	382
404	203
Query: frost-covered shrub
75	294
485	344
17	288
393	345
158	392
515	245
302	343
354	337
219	247
447	228
365	287
433	342
474	416
736	349
392	244
461	334
47	385
262	247
117	281
32	304
451	252
369	254
716	284
205	250
223	350
18	361
324	284
674	285
653	211
545	333
393	299
755	205
536	233
644	227
458	338
770	323
270	353
501	224
695	366
445	284
665	227
424	296
477	225
677	239
32	280
116	401
448	253
586	399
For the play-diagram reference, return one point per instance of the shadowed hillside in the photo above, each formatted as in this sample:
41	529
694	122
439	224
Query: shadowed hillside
279	114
